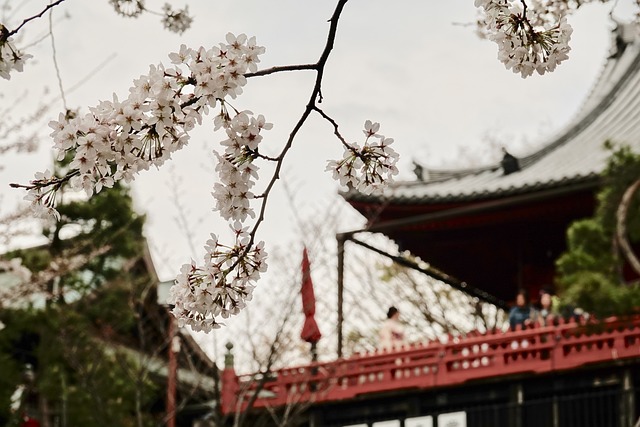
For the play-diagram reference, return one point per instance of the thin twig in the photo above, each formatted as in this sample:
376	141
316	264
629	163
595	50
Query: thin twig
92	73
333	28
282	68
43	36
57	2
621	229
55	61
271	359
182	218
335	127
55	182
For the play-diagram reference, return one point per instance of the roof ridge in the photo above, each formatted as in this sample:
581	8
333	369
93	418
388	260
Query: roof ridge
580	121
437	175
572	129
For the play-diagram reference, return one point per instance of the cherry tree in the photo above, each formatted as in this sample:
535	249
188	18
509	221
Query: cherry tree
119	138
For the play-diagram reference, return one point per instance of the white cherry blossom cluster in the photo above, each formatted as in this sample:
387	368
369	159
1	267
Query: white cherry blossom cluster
368	168
117	139
128	8
221	288
528	39
177	21
43	195
235	168
11	59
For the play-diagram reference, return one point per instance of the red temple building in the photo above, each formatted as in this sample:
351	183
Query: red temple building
487	231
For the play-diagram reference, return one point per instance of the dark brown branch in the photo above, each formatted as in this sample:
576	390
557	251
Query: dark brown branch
335	127
282	68
58	182
49	6
266	372
263	156
319	67
621	229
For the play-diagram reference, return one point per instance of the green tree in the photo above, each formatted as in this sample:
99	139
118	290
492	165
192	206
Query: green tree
594	272
93	306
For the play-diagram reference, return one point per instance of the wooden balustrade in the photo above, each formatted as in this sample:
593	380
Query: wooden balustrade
425	365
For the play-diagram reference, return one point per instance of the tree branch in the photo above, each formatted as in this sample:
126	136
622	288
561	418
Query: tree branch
282	68
49	6
621	226
336	132
319	67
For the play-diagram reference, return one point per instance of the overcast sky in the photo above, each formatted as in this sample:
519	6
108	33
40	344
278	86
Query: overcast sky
434	86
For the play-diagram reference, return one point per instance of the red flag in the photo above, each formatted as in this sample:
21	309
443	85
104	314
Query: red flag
310	332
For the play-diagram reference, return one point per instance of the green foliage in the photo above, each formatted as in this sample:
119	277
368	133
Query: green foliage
590	271
35	259
107	219
589	249
72	343
622	170
112	306
106	223
73	369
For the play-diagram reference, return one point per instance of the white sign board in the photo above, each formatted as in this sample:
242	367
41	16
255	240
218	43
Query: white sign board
390	423
357	425
426	421
453	419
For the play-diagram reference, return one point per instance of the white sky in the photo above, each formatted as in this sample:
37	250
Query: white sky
434	87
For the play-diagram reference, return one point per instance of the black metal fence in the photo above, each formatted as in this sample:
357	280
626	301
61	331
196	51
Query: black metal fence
608	406
604	408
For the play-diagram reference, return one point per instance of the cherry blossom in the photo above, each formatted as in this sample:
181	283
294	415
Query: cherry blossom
117	139
11	59
528	39
120	137
174	20
222	287
42	195
369	168
177	21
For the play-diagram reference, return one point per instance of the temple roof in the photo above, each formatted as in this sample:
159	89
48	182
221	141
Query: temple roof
574	155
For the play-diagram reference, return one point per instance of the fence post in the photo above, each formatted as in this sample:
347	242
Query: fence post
628	400
517	401
555	410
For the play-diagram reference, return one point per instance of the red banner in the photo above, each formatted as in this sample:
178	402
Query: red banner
310	331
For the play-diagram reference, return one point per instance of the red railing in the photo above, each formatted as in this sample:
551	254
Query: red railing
535	350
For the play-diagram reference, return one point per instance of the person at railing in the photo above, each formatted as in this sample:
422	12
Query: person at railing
548	311
521	314
552	308
392	331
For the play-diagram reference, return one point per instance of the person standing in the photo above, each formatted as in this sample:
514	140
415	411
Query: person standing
548	311
392	331
520	314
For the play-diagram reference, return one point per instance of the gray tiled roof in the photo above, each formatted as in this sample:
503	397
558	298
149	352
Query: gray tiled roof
575	154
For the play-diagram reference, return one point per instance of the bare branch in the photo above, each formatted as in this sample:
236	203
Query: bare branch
333	28
282	68
49	6
621	229
54	55
335	128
